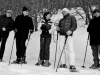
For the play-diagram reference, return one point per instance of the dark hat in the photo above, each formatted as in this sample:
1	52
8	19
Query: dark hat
96	10
45	14
24	8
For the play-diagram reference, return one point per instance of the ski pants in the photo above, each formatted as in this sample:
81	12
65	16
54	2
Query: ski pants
95	51
21	48
68	56
45	41
2	47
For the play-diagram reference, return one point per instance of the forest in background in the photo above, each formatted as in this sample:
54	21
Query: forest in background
37	6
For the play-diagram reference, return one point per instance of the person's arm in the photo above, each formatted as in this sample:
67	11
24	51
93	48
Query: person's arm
73	24
89	26
53	28
39	26
10	26
31	26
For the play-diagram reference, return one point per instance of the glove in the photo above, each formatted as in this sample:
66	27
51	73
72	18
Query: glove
43	27
4	29
15	30
57	29
31	31
69	32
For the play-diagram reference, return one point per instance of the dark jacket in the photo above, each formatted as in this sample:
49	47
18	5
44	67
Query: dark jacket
23	24
46	26
94	31
7	23
67	23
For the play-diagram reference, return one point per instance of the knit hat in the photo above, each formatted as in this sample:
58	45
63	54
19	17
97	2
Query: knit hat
24	8
65	9
96	10
9	11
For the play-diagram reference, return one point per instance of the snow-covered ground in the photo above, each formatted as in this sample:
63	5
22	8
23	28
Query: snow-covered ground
80	39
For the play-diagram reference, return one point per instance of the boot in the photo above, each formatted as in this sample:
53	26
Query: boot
0	60
17	61
73	69
46	63
63	66
23	60
40	62
94	66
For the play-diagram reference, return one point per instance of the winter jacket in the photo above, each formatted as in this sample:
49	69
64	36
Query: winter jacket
94	31
7	23
46	27
67	23
23	24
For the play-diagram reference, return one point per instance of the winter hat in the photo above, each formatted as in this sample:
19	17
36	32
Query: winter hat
65	9
45	14
96	10
9	11
24	8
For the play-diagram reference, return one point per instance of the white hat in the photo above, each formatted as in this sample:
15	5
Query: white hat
65	9
9	11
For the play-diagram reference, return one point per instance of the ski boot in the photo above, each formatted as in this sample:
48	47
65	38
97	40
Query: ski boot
17	61
0	60
73	69
40	62
63	66
94	66
46	63
23	60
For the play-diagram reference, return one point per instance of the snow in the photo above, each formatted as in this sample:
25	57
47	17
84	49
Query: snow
80	40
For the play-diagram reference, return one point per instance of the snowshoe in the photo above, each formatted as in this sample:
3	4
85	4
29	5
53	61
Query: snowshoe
41	62
0	60
94	66
23	61
46	64
17	61
63	66
73	69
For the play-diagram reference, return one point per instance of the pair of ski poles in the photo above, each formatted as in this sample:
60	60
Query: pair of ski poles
63	50
13	46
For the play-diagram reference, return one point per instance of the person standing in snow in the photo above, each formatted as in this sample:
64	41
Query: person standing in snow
94	31
45	39
23	24
67	25
6	25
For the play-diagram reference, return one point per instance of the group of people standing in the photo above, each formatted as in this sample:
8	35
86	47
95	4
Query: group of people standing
65	28
23	25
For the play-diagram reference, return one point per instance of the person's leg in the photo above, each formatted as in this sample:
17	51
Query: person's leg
61	45
41	48
23	51
18	48
18	51
70	50
2	48
71	54
99	52
41	57
47	51
95	57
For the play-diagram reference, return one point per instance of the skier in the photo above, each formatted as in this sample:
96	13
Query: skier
23	23
67	25
45	39
6	25
94	30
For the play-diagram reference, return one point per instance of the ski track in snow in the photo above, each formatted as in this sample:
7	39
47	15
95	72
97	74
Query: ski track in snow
80	39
